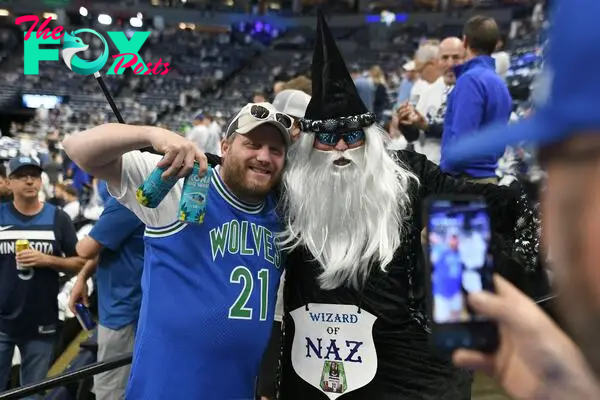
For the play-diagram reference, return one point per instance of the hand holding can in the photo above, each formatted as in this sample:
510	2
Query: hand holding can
154	189
20	245
194	196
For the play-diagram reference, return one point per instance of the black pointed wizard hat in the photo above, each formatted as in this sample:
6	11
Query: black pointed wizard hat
335	104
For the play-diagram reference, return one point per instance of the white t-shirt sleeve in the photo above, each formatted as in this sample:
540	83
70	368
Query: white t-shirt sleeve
135	168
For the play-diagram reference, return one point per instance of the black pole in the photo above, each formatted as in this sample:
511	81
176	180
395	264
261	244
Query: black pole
114	108
212	159
109	97
67	377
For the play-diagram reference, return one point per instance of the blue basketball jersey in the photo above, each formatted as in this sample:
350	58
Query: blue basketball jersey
209	293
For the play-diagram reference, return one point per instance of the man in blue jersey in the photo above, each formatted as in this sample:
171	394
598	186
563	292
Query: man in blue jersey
209	289
29	280
117	239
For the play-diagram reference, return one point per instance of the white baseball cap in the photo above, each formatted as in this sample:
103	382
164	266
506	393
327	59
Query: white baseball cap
292	102
253	115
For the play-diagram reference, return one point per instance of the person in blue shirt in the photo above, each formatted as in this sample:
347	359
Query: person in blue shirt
80	178
102	190
447	283
117	240
208	289
365	87
29	281
480	98
409	77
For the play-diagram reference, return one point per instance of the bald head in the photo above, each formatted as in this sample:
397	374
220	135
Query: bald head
451	44
451	53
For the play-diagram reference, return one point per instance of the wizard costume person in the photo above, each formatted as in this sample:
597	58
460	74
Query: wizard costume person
354	301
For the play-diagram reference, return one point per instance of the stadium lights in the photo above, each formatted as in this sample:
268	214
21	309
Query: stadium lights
104	19
4	13
135	22
83	11
47	15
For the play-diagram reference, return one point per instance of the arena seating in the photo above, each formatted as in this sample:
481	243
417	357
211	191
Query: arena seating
213	72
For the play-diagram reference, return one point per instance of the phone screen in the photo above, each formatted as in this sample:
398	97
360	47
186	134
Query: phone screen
461	263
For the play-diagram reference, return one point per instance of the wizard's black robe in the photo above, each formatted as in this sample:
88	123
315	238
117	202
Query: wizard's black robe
408	367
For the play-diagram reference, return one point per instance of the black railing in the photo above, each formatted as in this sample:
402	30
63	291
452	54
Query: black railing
67	377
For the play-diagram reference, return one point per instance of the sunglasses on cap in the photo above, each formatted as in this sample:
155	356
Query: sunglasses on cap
331	139
261	113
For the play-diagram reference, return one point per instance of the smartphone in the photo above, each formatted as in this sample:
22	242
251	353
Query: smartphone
459	262
84	316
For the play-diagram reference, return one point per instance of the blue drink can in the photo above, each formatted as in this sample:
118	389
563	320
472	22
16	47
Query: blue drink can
154	189
84	316
194	196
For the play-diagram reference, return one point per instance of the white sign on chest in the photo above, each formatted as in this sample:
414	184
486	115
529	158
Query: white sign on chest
333	348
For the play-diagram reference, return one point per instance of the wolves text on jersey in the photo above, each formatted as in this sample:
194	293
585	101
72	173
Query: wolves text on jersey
245	238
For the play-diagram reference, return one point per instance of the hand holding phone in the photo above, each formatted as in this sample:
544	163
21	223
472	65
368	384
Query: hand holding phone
459	262
84	316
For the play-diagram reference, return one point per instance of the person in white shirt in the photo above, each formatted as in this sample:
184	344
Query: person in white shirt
68	195
428	114
205	138
426	65
502	59
216	132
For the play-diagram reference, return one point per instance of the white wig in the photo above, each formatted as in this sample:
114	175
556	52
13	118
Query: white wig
347	217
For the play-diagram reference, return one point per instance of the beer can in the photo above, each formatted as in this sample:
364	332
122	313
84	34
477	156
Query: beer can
20	245
84	316
194	196
154	189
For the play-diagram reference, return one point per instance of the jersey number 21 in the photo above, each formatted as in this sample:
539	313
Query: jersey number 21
242	275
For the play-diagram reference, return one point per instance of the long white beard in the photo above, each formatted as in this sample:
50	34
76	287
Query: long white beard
349	217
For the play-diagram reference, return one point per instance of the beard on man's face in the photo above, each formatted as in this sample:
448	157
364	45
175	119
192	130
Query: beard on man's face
242	178
348	216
